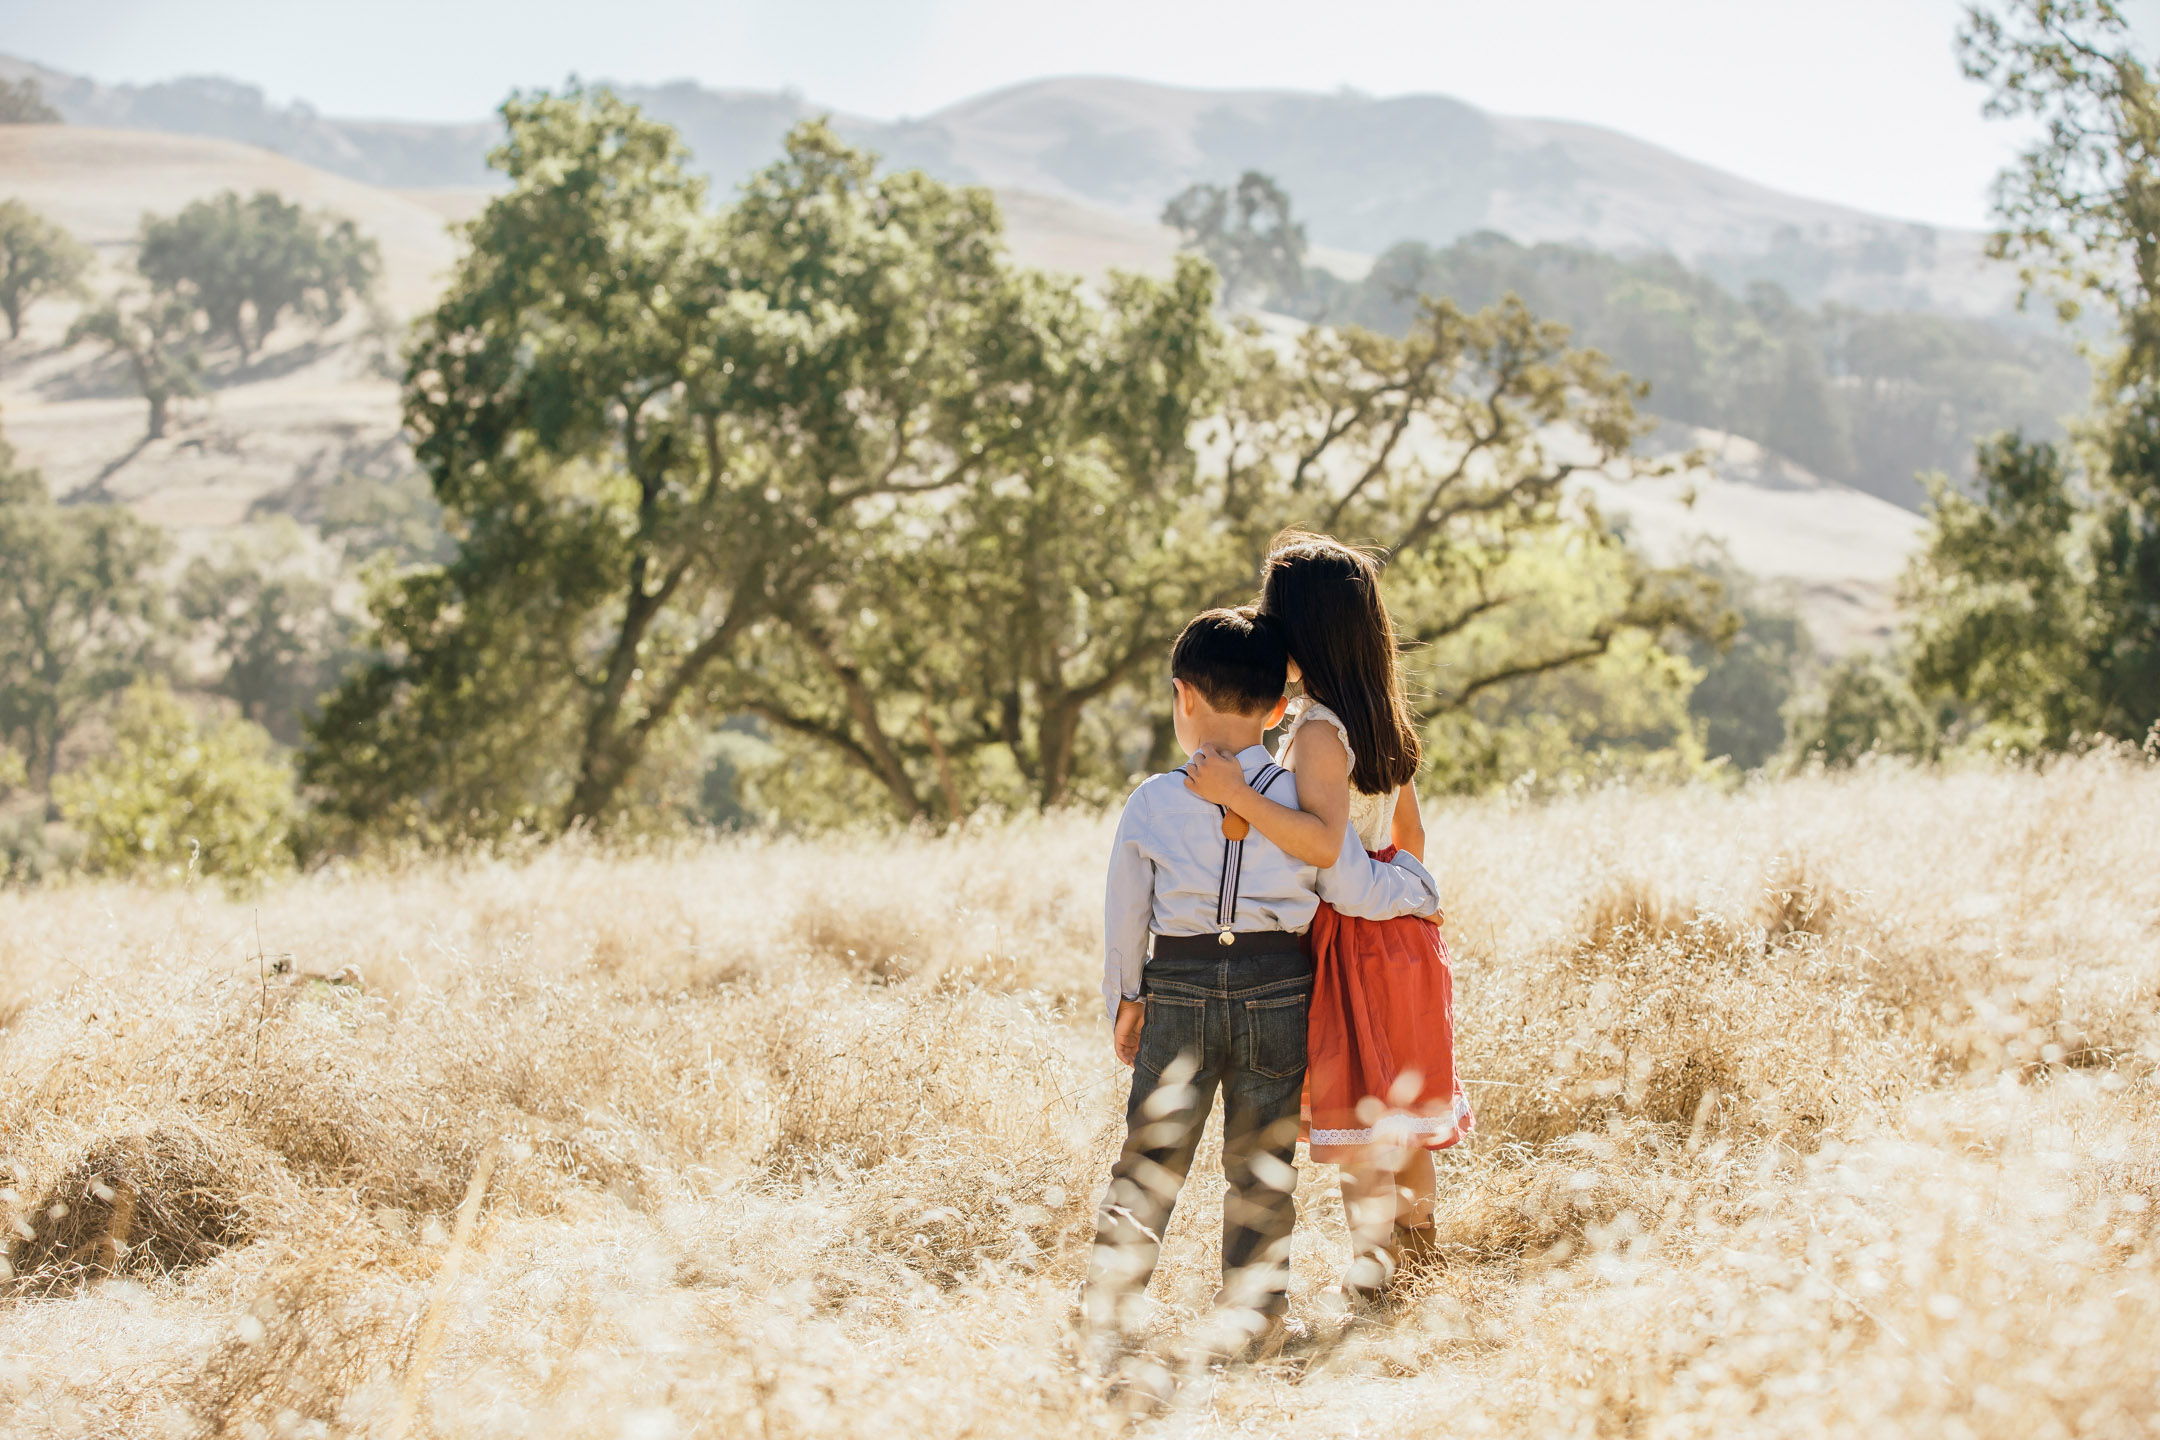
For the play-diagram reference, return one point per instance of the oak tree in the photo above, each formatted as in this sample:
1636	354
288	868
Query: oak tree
986	650
1246	231
652	429
247	263
155	338
81	613
38	260
22	102
2037	601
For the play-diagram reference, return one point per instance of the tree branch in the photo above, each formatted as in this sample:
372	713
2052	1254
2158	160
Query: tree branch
1377	466
1599	644
862	710
839	739
1461	619
884	485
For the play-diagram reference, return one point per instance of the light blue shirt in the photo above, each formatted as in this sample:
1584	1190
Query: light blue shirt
1166	869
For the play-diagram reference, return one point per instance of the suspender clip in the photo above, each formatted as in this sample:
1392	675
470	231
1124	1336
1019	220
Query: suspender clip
1235	828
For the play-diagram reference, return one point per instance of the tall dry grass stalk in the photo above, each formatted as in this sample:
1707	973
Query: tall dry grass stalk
1822	1107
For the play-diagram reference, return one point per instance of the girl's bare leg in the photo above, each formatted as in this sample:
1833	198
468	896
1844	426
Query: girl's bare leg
1370	1182
1416	1185
1386	1190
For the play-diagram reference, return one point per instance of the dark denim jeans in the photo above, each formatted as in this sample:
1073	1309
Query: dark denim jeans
1231	1018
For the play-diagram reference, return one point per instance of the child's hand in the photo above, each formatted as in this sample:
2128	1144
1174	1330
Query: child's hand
1216	777
1125	1035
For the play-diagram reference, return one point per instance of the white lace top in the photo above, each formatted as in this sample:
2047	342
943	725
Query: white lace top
1372	816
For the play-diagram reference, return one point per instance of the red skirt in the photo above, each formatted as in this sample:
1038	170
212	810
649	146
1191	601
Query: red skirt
1380	1046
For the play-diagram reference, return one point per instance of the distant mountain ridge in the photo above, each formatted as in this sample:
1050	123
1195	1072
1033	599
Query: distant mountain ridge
387	153
1365	172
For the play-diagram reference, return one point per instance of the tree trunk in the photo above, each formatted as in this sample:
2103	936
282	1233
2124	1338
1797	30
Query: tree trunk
600	761
1060	729
944	767
862	712
1009	730
41	745
158	403
600	775
611	752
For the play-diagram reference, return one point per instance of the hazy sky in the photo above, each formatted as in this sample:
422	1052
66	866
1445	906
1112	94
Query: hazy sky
1858	101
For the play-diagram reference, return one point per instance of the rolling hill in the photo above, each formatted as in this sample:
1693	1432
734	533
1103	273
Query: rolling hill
1366	171
99	183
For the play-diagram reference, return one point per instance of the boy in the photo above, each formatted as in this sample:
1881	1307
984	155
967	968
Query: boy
1221	1001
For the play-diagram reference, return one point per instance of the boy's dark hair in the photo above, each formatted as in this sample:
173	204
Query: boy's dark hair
1234	658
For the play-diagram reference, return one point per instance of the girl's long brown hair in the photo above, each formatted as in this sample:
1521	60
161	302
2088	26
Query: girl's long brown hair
1325	596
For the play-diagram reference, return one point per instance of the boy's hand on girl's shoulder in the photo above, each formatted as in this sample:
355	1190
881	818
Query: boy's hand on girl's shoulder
1215	776
1125	1035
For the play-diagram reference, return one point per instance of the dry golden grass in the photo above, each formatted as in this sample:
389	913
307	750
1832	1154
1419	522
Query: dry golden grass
1823	1107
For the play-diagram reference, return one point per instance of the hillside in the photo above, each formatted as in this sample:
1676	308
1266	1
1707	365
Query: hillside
1371	171
99	183
383	153
1368	171
1872	398
304	411
1831	552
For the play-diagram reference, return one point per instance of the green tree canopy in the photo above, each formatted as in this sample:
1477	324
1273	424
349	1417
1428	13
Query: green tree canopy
653	429
1247	233
81	613
2005	620
22	102
2037	603
245	264
270	619
38	260
154	336
968	657
181	794
1866	707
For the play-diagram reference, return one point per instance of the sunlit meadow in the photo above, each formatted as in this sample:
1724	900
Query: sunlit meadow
1823	1106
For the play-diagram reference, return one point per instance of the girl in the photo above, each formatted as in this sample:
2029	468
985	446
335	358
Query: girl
1381	1090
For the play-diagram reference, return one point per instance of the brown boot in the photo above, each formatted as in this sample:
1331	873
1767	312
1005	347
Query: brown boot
1416	1248
1370	1280
1379	1274
1268	1344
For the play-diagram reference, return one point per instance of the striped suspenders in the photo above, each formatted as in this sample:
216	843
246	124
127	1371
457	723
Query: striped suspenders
1235	829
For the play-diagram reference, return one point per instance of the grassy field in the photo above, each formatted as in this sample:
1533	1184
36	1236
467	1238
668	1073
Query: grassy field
1822	1107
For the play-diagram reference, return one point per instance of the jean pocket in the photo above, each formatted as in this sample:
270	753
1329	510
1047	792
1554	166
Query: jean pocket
1172	1028
1275	1035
